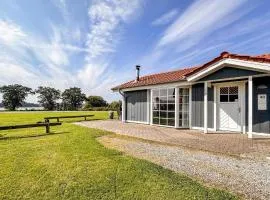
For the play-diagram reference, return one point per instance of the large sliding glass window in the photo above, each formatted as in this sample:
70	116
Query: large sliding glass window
163	101
183	107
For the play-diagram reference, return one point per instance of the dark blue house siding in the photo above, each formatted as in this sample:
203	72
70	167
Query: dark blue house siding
210	107
136	106
261	118
229	72
198	106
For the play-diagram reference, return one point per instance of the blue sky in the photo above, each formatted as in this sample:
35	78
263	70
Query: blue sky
96	44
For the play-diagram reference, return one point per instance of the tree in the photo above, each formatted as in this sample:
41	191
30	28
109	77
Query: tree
73	98
95	101
14	95
48	97
116	106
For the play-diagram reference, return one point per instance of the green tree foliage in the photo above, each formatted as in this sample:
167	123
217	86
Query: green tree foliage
14	95
95	101
48	97
116	106
73	98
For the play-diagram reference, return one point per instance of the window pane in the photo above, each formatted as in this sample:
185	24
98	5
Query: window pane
223	98
171	92
155	120
163	99
171	99
171	122
233	90
184	107
181	99
180	107
163	92
163	106
163	114
171	115
185	123
171	107
224	90
163	121
233	98
156	114
185	99
155	93
180	91
155	106
180	115
156	100
185	91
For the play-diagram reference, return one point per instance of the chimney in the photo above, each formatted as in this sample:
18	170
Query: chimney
138	72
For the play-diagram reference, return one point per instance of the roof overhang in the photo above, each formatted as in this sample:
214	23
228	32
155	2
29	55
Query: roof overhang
164	85
249	65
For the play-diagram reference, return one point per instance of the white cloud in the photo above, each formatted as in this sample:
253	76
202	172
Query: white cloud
165	18
17	55
105	18
10	33
199	20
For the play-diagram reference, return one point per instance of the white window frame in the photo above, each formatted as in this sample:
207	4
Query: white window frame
152	109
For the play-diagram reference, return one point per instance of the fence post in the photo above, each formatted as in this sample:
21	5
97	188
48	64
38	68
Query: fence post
47	127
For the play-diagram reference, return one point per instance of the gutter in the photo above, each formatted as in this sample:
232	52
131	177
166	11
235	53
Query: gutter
120	92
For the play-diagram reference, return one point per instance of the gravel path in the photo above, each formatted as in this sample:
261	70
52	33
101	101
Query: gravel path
243	176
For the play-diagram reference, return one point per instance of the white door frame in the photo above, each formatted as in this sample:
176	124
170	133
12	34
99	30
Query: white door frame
241	85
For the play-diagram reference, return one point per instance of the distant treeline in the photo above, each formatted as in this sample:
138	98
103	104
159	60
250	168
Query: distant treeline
25	104
52	99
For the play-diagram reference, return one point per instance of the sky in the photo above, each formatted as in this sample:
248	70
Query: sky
95	44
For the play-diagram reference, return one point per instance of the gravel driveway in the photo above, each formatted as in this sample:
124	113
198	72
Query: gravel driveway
246	177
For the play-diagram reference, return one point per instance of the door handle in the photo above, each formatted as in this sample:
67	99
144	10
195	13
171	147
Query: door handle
239	109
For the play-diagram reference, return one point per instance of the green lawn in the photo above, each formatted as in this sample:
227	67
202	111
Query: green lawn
71	164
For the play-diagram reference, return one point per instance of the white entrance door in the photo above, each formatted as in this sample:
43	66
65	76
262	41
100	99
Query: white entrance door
229	108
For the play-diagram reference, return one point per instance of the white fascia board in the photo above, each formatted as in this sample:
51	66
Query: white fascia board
166	85
263	67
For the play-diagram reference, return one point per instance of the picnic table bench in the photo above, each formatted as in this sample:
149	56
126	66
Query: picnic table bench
20	126
47	119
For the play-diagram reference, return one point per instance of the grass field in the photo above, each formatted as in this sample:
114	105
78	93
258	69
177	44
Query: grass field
71	164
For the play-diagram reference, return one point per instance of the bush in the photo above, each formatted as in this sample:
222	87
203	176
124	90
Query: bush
96	108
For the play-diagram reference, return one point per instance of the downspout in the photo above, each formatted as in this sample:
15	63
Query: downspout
123	115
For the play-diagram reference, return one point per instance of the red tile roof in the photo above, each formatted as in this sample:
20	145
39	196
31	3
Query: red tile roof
180	75
264	58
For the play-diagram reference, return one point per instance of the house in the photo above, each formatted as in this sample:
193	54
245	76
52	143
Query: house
229	93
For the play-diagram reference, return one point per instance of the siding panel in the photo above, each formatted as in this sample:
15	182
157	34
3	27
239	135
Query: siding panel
136	104
210	108
197	105
229	72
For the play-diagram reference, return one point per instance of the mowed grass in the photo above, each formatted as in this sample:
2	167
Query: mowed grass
71	164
